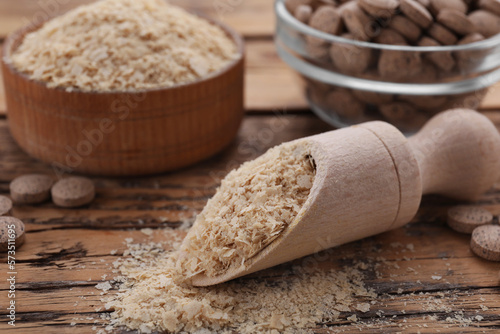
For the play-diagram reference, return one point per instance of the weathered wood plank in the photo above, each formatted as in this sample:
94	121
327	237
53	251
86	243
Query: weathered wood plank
65	248
407	297
415	321
83	323
274	89
3	106
492	99
81	255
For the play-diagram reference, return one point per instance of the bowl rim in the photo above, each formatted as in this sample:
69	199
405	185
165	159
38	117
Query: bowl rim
286	17
19	34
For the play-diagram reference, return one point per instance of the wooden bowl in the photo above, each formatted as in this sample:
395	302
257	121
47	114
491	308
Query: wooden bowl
124	133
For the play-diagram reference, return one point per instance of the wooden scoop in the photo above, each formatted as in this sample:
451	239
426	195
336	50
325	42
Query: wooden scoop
370	179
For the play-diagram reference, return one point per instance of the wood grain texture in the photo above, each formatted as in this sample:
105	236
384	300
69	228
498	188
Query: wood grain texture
3	106
270	83
463	161
67	252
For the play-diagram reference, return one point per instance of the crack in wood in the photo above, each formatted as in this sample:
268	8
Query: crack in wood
44	316
410	288
49	259
106	223
44	287
399	316
145	206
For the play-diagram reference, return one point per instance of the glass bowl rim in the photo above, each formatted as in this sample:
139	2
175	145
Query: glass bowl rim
314	72
285	16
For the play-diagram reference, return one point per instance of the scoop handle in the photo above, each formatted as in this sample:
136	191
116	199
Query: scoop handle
458	154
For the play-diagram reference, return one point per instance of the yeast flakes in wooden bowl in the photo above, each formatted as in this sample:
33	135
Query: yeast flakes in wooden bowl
88	114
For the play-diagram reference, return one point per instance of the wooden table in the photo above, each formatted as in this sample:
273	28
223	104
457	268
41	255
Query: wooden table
429	279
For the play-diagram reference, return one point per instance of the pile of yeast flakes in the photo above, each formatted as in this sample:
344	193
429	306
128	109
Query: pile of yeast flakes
152	297
123	45
254	204
252	207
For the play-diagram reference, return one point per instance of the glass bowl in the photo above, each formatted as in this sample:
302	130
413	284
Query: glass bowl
350	81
